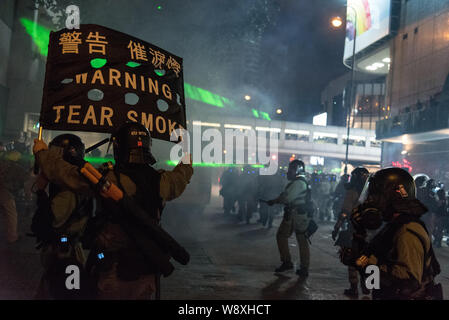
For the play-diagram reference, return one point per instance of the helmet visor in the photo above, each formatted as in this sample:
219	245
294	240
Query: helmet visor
366	189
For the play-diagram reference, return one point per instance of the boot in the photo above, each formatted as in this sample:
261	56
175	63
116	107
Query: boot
302	273
284	267
352	292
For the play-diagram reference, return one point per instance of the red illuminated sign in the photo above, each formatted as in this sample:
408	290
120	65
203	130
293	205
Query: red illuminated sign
405	164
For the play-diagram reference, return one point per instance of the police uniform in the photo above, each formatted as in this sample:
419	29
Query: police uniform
349	202
12	179
58	225
403	262
228	184
402	248
70	212
112	237
345	237
295	220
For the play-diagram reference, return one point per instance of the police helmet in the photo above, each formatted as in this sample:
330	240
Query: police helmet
73	147
132	144
295	169
391	182
358	178
382	190
421	180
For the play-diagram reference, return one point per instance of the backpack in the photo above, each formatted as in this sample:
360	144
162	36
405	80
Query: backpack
310	209
310	206
42	221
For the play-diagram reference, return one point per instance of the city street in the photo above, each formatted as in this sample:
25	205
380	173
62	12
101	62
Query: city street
236	261
228	261
335	103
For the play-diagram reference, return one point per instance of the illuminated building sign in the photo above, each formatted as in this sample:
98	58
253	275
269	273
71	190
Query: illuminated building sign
405	164
371	19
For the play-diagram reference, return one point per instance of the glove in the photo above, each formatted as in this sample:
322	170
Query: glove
347	256
334	234
39	145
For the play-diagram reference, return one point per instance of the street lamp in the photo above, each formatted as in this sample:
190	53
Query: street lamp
247	97
279	111
335	23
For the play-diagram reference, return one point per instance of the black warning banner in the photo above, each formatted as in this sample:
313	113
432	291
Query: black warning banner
97	79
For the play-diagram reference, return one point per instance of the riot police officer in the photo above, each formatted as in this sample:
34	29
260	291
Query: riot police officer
440	216
338	195
353	190
402	249
58	226
228	184
123	268
430	200
296	218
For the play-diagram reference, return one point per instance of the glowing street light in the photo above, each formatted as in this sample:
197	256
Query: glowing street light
337	22
247	97
279	111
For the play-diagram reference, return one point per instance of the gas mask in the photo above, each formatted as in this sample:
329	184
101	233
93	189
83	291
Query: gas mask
370	212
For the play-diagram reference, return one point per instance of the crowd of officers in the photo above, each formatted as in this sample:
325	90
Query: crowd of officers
107	221
243	189
386	219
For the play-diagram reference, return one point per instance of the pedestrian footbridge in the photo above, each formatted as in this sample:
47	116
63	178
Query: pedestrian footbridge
306	139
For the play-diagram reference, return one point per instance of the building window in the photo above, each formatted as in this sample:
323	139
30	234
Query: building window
321	137
375	144
297	137
353	141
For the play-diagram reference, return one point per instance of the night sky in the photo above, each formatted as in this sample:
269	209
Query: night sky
314	53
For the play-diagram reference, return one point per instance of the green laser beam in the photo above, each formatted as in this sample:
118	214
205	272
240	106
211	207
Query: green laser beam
203	95
98	160
255	113
265	115
214	165
40	34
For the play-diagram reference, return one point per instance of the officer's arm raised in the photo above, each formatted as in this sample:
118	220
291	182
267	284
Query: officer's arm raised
173	183
59	171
